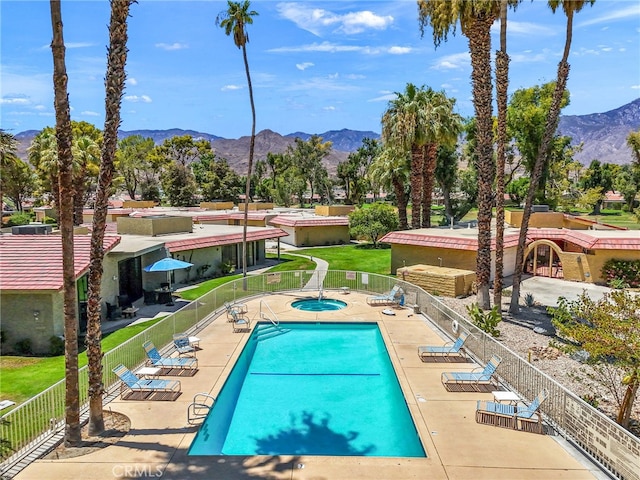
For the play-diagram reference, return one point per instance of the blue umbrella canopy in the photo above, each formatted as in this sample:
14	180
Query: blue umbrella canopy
166	265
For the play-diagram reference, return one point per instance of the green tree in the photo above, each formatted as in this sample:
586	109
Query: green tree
518	189
390	170
179	185
8	154
476	18
446	174
216	179
627	183
597	180
234	21
307	156
114	88
607	329
352	173
64	141
570	8
17	181
133	165
373	222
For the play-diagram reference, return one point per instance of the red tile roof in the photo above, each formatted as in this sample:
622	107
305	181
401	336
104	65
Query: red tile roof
291	221
34	262
584	240
218	240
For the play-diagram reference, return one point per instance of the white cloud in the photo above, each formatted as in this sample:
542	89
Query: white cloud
89	113
354	76
385	97
227	88
132	81
138	99
635	87
525	28
304	66
623	14
172	46
400	50
315	20
452	62
329	108
69	45
17	100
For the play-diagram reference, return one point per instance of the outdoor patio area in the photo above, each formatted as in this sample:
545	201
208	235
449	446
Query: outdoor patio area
456	446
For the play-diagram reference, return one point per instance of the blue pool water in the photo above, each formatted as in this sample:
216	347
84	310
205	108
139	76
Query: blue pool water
318	304
314	389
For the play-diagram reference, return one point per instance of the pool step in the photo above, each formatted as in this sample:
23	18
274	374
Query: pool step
269	331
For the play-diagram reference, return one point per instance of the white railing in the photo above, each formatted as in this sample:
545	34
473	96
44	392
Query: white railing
35	421
273	319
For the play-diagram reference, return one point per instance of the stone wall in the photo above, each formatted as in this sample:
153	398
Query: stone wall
448	282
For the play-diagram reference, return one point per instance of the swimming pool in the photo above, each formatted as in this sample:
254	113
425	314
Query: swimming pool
314	389
318	304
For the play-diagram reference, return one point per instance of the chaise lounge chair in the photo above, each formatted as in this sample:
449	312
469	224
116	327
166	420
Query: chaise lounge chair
520	417
148	389
169	363
241	322
183	345
394	297
474	380
448	349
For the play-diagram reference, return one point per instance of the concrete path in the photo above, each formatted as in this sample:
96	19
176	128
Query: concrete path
546	291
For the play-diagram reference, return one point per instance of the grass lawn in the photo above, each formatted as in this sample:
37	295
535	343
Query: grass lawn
290	263
615	217
361	257
23	377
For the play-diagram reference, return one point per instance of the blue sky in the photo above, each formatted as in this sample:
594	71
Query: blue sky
315	66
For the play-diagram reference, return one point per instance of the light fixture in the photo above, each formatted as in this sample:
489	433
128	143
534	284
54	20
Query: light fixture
36	315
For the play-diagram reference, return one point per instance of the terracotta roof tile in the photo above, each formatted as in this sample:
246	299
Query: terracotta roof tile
293	221
218	240
34	262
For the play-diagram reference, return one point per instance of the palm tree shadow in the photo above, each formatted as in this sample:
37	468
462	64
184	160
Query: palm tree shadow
311	437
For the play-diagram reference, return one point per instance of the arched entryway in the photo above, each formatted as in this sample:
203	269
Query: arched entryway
543	259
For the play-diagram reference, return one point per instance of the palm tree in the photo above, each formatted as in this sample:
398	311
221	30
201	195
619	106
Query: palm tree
8	149
476	18
233	20
441	129
403	126
114	87
43	155
390	170
86	155
64	137
502	85
570	7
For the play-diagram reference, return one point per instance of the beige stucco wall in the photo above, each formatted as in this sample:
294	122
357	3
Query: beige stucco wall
402	255
318	236
334	210
156	225
599	257
138	204
537	219
216	205
256	206
19	322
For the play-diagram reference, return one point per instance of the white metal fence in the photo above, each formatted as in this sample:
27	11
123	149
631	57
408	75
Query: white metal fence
31	424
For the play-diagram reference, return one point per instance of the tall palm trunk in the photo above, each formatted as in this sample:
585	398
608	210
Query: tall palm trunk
114	86
249	168
64	138
502	84
428	181
417	159
401	201
480	49
543	152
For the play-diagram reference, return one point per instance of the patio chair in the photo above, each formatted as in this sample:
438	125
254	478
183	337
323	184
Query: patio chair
160	389
183	346
455	349
240	308
241	322
475	380
520	417
394	297
199	408
169	363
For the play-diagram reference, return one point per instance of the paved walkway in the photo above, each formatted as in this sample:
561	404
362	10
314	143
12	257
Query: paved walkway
456	446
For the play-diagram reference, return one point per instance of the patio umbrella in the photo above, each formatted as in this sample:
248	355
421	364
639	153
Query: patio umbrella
167	264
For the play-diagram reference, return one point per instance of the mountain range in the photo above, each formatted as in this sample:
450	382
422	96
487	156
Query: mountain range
603	136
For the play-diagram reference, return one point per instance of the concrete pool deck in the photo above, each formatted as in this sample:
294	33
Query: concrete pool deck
456	446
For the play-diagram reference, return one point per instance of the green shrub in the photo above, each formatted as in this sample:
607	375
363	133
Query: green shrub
24	347
19	219
622	272
56	346
485	321
529	301
49	221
